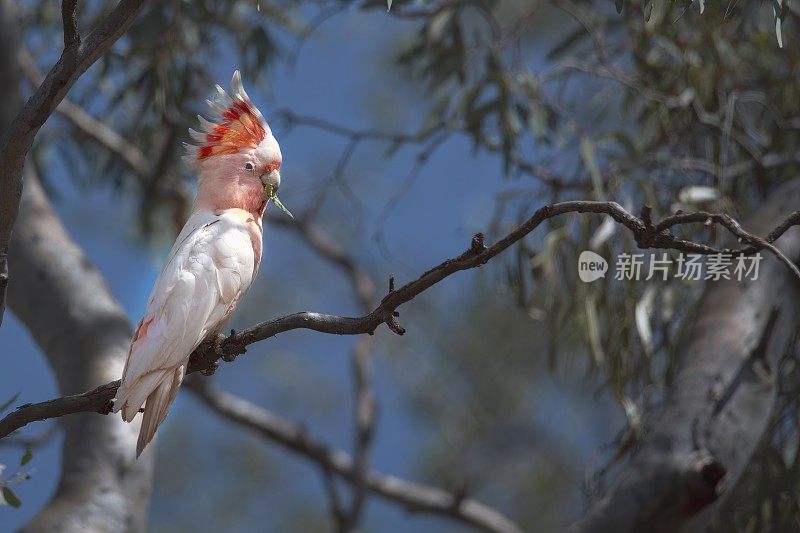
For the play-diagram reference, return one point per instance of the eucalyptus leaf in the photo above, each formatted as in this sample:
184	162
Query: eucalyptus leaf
643	313
778	33
27	456
589	156
11	498
593	330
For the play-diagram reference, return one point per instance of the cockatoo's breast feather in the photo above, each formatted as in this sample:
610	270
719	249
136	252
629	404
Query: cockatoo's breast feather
211	266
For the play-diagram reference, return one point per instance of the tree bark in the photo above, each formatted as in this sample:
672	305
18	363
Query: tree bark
700	440
83	331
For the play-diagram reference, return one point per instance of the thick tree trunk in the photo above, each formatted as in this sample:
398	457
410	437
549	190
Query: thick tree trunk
84	333
701	439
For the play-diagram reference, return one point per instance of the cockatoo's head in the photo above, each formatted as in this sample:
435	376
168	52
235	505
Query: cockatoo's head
238	159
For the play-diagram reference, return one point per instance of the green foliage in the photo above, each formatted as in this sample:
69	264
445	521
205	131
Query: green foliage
7	494
10	498
27	456
696	101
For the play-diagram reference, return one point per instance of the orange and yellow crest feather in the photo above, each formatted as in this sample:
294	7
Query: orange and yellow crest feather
241	125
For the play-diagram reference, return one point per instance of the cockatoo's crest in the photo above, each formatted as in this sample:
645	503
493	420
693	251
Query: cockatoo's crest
240	126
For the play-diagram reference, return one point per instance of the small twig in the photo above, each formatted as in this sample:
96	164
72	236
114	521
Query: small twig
365	414
69	17
337	509
40	439
756	243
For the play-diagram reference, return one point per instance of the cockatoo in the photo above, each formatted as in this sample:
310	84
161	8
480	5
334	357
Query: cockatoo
213	261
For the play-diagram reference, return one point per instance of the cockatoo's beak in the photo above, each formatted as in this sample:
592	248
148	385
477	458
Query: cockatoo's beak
273	179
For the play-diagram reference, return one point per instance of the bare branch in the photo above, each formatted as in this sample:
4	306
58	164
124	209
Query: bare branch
73	62
69	16
206	357
736	230
86	123
295	438
291	120
365	414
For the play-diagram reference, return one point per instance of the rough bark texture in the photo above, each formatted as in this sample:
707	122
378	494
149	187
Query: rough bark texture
716	411
84	333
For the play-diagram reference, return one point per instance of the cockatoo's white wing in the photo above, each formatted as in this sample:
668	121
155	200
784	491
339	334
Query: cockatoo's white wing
208	270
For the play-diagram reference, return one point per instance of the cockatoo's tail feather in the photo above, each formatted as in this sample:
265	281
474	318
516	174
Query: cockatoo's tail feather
158	403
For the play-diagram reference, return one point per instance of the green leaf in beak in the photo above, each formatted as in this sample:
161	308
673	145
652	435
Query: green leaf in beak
274	197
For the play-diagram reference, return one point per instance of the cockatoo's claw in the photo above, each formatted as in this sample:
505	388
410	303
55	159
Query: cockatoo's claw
228	357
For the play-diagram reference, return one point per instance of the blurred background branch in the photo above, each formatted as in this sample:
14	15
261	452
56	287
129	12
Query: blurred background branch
413	497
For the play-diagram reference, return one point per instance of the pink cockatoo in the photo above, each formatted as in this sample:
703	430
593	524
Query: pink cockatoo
213	261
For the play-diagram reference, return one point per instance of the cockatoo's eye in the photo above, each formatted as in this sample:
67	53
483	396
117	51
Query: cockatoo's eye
249	166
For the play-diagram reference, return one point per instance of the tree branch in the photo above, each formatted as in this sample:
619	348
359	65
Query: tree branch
206	357
87	124
74	61
295	438
365	410
69	17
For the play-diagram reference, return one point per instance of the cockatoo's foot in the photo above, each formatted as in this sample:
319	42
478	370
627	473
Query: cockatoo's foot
210	370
